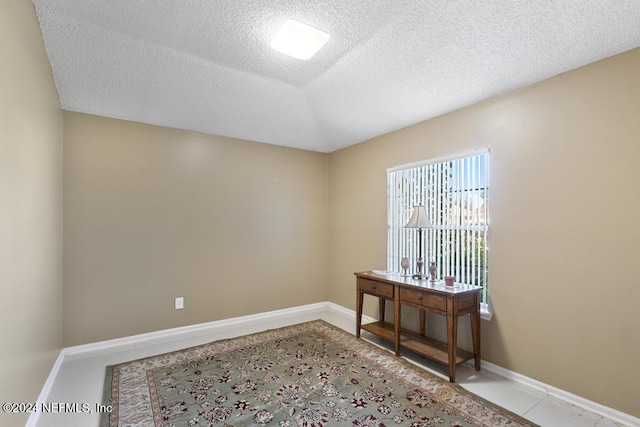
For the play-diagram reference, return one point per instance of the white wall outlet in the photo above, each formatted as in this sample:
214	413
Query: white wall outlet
179	304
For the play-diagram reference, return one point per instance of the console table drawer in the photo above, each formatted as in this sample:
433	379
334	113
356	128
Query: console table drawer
372	287
468	302
427	300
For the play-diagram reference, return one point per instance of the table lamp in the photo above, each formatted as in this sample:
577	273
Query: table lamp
419	220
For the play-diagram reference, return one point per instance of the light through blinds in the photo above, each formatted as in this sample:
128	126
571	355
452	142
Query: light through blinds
456	195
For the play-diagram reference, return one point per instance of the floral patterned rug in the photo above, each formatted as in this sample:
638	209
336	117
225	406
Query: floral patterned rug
309	375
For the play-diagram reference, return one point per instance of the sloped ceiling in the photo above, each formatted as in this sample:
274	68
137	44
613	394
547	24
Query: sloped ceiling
207	65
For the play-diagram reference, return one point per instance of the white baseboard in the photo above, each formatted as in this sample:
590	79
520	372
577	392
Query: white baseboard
220	329
46	388
227	328
337	315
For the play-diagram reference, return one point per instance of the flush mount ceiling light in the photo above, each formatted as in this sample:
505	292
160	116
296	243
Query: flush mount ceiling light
299	40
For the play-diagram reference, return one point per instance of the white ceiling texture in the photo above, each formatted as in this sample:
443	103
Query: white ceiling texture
207	65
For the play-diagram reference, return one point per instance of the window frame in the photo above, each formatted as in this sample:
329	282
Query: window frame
428	188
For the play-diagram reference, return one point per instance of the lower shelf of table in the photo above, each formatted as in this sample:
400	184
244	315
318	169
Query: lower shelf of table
427	347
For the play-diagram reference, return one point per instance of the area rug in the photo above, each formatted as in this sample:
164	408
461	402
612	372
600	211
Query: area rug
310	375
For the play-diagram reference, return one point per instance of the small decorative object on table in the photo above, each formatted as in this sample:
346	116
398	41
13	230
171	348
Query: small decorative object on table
404	263
420	269
448	280
419	220
432	271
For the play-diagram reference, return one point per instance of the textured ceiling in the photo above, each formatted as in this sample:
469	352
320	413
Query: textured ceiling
207	65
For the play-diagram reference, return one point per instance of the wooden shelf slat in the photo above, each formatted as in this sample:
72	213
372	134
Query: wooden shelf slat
382	329
428	347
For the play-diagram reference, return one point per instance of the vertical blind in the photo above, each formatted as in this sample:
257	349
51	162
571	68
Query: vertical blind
455	193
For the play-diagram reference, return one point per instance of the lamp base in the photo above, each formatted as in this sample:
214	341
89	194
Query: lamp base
419	264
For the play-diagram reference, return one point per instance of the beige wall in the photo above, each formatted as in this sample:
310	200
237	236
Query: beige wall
30	209
152	213
565	228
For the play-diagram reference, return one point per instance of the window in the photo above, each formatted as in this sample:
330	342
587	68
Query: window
455	193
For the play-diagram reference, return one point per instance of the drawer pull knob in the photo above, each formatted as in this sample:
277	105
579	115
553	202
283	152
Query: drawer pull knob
420	298
373	287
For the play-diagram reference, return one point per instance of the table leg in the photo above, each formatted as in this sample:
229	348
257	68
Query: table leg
396	324
422	321
475	334
452	342
381	302
359	300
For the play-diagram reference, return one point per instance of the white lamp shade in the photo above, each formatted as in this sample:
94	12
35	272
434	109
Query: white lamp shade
419	218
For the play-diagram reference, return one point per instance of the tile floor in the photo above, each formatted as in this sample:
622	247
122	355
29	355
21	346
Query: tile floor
529	403
80	379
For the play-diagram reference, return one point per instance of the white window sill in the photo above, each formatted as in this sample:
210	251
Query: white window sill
485	314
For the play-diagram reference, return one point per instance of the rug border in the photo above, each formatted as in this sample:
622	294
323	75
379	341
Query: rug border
107	394
108	389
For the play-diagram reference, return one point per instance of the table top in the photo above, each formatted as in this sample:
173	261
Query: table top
397	278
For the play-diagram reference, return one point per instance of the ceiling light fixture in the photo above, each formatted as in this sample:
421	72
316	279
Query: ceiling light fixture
299	40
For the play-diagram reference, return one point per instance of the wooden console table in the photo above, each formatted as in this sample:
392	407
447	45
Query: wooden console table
424	295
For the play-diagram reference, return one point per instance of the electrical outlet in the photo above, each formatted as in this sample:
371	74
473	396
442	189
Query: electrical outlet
179	304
